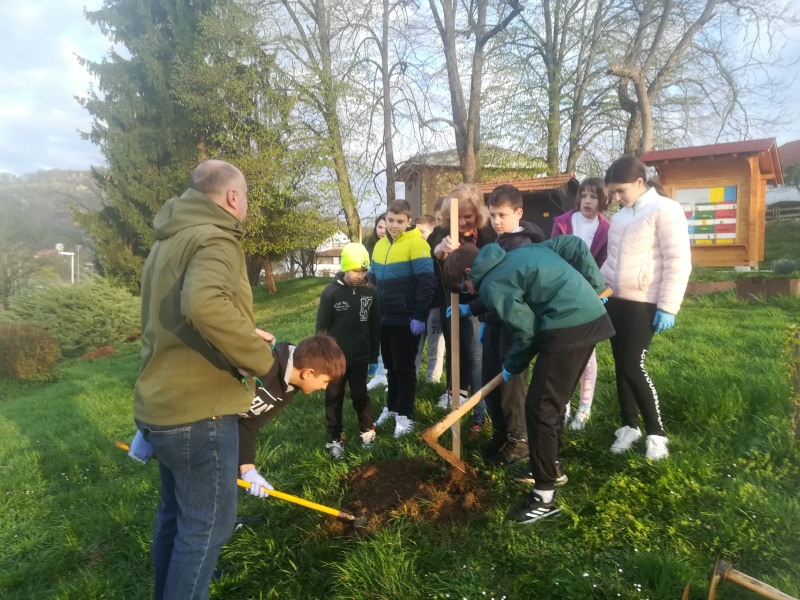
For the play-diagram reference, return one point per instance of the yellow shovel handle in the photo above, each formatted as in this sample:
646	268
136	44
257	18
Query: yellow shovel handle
307	503
342	514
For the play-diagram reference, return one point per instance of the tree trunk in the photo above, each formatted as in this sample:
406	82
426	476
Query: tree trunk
253	265
269	277
633	133
387	107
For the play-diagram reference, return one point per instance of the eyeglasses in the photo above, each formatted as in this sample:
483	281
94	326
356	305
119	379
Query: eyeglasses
463	289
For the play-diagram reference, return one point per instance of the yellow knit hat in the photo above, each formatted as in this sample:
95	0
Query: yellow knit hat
354	256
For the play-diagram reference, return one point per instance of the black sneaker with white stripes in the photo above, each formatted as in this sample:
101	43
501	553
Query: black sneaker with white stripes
533	508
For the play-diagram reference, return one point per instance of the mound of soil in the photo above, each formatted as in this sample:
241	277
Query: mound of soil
100	353
413	487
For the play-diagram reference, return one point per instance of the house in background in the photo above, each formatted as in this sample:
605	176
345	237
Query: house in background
325	262
543	198
789	155
427	177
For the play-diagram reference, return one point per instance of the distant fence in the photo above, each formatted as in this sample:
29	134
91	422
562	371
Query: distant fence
778	213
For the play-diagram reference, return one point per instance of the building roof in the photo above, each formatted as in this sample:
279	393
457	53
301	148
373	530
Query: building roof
533	184
766	149
789	153
492	157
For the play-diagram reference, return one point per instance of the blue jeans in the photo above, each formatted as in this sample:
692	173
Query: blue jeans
470	342
198	463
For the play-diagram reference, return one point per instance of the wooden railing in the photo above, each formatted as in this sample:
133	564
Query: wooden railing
778	213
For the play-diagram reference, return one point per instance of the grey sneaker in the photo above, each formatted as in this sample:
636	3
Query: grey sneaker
336	448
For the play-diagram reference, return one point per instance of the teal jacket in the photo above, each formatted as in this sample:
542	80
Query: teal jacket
534	289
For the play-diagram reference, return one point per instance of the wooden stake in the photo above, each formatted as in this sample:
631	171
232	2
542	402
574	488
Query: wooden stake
455	338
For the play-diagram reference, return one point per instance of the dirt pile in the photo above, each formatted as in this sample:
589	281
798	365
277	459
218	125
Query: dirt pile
413	487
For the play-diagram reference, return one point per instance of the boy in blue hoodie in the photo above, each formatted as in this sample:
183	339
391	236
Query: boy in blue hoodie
549	308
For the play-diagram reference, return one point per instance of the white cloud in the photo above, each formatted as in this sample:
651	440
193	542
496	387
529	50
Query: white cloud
39	116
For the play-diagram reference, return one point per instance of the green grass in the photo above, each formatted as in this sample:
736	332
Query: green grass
78	514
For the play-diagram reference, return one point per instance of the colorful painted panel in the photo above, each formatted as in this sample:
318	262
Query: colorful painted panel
711	213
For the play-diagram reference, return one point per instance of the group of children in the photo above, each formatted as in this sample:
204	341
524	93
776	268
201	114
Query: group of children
523	297
520	297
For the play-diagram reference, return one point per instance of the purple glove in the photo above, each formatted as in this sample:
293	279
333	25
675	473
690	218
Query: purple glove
417	326
140	448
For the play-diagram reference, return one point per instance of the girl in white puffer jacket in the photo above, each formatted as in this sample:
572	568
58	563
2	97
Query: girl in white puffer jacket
648	267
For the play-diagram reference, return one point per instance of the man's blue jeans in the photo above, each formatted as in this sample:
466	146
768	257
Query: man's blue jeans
198	464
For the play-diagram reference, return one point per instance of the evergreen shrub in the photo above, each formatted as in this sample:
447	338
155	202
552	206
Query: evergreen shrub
83	316
27	352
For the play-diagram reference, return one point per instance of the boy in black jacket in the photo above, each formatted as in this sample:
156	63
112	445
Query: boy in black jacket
348	311
505	404
309	366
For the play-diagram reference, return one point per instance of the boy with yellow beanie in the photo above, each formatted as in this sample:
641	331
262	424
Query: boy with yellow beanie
349	312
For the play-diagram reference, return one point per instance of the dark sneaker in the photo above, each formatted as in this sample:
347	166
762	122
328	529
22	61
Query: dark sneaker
527	477
511	452
533	508
494	446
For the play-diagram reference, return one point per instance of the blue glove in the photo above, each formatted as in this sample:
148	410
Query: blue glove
373	368
463	311
257	484
141	449
417	326
663	321
603	300
480	333
507	376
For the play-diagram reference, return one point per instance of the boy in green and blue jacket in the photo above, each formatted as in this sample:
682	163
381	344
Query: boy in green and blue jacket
403	271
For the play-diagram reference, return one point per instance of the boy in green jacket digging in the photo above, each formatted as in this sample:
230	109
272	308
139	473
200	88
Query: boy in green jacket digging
348	311
552	309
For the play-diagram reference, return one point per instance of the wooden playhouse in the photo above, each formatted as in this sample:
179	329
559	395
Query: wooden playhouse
723	190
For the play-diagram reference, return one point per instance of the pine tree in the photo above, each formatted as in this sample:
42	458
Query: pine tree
147	140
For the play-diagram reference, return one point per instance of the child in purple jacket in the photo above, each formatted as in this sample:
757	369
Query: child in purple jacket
587	223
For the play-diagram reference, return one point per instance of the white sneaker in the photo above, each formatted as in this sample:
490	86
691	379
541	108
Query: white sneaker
336	448
444	399
403	426
377	381
385	414
657	447
579	420
368	438
625	438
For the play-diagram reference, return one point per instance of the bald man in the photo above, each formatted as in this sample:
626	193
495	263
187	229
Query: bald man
197	332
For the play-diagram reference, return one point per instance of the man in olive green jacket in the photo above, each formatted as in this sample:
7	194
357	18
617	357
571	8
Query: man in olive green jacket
198	332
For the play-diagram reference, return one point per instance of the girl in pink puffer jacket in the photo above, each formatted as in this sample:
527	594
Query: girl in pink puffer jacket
588	223
648	267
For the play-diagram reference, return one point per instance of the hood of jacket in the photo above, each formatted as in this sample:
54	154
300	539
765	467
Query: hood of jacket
488	258
526	233
193	209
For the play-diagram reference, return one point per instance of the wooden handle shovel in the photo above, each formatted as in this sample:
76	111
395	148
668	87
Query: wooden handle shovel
431	435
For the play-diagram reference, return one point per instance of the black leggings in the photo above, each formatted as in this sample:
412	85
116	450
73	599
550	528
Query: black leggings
633	322
356	377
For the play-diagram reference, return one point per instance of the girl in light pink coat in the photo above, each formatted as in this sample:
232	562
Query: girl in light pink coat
648	267
587	222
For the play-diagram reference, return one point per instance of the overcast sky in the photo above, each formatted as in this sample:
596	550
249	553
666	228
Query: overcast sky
39	117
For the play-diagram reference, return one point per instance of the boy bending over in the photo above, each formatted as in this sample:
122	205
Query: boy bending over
552	309
309	366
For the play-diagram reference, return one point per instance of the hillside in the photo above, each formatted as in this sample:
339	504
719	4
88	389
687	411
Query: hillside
37	204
